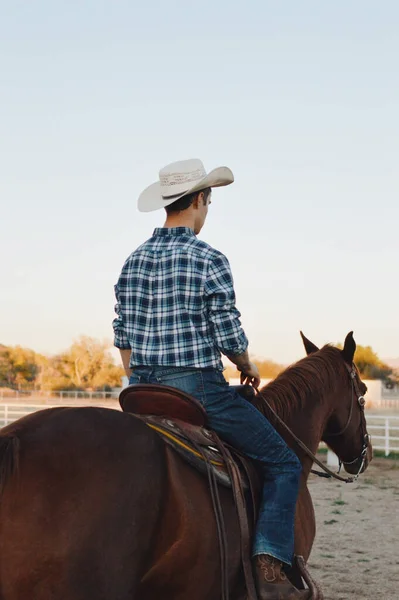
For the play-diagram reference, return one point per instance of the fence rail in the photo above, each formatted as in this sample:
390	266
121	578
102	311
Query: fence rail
12	412
4	394
384	429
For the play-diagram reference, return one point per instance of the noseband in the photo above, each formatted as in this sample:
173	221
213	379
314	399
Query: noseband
365	436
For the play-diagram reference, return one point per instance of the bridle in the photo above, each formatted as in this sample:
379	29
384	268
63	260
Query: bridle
365	436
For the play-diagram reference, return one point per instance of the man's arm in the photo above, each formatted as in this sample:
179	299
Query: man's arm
120	340
225	318
125	356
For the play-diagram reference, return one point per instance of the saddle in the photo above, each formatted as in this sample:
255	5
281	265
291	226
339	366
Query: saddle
182	423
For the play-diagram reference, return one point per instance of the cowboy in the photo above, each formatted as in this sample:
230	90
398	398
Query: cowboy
176	316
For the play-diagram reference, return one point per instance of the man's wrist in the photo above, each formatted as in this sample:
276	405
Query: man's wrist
241	361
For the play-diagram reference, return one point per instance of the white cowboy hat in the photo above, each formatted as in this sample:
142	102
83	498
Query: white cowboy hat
179	179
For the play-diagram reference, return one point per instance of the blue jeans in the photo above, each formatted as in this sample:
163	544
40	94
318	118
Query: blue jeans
244	427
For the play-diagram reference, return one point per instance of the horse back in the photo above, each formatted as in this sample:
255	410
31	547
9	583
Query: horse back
76	485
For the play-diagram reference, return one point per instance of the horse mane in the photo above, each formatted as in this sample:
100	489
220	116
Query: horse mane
311	376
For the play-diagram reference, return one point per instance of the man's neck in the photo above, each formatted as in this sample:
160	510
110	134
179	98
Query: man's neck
179	220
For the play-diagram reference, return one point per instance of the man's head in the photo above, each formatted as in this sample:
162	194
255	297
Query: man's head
181	180
192	208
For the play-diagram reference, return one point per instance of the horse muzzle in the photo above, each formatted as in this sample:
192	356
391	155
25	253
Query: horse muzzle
360	464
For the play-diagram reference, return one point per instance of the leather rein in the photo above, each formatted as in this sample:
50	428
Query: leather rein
365	436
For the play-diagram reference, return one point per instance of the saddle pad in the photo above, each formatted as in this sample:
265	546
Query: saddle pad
194	444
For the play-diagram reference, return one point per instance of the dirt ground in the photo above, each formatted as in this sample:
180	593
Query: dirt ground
356	550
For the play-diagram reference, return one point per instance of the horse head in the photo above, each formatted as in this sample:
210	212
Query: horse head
345	429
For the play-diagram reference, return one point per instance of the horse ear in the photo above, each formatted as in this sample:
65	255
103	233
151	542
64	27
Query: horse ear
349	348
309	346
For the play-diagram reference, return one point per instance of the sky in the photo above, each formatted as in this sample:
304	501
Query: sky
299	99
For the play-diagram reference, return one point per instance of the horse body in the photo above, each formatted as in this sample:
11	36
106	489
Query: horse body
93	505
82	519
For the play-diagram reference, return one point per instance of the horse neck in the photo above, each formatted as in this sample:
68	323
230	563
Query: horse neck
306	418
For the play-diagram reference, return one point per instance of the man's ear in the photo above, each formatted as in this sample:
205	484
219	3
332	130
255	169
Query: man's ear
198	198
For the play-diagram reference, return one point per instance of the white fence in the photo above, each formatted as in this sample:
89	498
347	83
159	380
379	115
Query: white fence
384	432
6	393
384	429
12	412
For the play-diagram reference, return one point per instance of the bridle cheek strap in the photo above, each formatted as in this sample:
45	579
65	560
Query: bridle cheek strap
366	438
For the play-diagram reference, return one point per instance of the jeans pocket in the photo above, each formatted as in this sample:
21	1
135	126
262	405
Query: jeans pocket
188	382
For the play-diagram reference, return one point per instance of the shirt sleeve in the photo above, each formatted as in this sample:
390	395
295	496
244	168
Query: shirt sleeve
120	338
223	314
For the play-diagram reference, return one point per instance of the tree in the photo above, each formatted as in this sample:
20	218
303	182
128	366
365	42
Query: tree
268	369
54	374
18	367
87	364
370	365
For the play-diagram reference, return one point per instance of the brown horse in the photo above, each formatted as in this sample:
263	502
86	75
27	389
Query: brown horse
94	505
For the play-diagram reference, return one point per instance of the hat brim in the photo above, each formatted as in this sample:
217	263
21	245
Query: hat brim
151	198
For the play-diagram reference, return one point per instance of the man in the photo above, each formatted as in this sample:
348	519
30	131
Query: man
176	315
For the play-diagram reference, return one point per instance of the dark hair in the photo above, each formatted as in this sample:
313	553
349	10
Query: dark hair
186	201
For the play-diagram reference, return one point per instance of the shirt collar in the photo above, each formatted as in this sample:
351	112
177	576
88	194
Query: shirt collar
165	231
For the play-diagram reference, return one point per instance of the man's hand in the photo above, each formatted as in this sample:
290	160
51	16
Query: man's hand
250	375
249	371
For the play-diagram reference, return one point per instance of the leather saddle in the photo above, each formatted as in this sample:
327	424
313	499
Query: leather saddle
182	423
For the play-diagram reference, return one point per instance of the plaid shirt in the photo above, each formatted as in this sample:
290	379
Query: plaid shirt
176	303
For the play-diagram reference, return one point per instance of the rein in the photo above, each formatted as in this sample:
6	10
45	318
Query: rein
366	438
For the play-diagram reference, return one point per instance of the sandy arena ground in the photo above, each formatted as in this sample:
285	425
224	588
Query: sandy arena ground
356	551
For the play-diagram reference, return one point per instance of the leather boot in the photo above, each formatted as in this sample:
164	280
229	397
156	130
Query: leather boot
272	583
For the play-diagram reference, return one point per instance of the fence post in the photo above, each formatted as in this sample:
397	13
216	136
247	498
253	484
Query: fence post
386	437
332	459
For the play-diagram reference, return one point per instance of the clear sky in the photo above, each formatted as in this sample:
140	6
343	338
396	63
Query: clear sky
299	98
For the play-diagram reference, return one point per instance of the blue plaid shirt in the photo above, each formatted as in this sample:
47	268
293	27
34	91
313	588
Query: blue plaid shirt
176	303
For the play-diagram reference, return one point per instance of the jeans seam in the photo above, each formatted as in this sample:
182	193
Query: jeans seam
173	372
202	389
